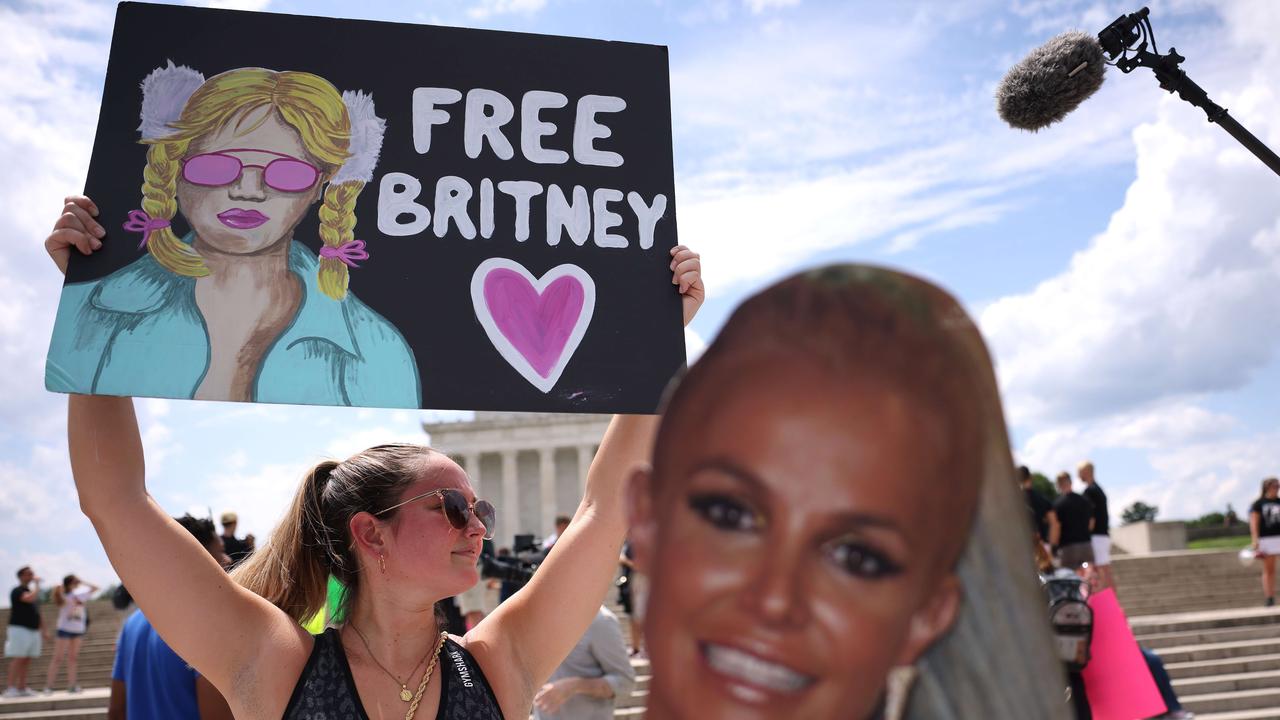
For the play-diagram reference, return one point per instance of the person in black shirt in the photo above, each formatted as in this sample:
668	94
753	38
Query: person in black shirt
1075	523
25	635
1264	526
1101	537
1041	509
236	548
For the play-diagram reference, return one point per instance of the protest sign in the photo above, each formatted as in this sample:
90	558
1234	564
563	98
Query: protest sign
324	211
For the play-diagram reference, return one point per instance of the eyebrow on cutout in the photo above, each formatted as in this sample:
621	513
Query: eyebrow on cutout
852	519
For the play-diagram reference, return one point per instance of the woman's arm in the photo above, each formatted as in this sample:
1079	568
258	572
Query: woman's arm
217	626
1255	522
531	633
220	628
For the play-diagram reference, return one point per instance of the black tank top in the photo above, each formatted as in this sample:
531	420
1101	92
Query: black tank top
326	690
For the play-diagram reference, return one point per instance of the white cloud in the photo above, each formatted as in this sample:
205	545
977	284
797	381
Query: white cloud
820	132
51	567
1156	429
489	8
233	4
759	6
1202	477
1171	305
694	345
1196	460
1176	297
30	498
48	101
260	496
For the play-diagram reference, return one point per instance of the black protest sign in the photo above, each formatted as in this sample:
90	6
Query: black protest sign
323	211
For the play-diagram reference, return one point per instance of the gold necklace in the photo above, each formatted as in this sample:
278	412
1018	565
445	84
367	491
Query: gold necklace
426	678
405	695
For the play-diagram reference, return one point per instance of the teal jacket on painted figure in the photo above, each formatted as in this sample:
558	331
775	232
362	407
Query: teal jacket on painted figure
139	332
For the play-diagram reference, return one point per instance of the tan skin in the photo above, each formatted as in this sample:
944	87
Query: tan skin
254	653
808	533
1271	492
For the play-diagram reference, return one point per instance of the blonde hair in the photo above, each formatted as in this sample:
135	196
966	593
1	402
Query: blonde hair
309	104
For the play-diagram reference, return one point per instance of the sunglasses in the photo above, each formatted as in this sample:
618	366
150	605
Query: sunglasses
457	510
286	173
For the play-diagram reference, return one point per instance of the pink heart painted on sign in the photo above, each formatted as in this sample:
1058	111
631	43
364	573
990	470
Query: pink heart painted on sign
537	324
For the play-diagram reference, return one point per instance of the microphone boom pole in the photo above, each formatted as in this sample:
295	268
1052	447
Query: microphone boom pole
1118	38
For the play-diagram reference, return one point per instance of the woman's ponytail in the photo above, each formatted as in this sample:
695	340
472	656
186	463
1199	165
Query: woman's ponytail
291	571
312	542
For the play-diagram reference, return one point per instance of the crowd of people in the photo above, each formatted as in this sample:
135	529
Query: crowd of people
1073	528
772	596
790	553
142	661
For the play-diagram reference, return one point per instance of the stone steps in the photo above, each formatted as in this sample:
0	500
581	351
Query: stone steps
1201	612
1219	651
1224	666
1227	683
1261	714
1200	637
89	704
1267	699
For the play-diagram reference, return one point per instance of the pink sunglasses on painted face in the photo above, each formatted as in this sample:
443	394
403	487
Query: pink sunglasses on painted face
286	173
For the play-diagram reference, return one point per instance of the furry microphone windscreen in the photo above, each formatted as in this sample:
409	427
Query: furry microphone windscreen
1051	81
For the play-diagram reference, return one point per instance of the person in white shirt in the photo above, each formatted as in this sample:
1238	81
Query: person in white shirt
71	597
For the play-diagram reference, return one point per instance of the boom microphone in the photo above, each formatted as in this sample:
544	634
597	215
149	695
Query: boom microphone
1059	75
1051	82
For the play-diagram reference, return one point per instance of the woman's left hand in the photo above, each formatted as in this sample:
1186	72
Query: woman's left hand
686	271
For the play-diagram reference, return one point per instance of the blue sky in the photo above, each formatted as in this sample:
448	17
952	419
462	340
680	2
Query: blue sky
1124	265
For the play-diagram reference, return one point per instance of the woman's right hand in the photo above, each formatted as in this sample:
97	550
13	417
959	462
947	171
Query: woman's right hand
77	228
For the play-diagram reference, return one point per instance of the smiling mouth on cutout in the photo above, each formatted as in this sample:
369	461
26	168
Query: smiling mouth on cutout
242	219
748	669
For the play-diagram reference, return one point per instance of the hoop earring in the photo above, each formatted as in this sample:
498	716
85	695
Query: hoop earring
899	681
382	563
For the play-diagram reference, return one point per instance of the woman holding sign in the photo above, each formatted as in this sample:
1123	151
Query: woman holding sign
831	514
236	309
399	525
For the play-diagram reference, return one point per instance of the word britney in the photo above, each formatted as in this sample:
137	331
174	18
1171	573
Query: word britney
583	216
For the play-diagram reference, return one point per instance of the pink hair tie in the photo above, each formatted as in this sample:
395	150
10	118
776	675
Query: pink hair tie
348	252
139	221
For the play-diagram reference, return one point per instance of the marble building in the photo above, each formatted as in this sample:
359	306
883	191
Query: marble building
531	466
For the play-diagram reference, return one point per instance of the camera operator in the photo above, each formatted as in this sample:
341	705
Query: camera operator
513	570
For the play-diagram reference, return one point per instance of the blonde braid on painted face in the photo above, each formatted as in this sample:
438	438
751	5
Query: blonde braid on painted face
337	224
159	200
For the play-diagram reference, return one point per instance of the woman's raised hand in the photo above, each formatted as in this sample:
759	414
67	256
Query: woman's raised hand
76	228
686	272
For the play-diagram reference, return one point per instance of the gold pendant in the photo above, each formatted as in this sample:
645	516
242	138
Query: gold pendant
405	695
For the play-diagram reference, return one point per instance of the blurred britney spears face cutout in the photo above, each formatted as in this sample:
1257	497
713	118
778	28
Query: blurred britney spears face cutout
801	528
